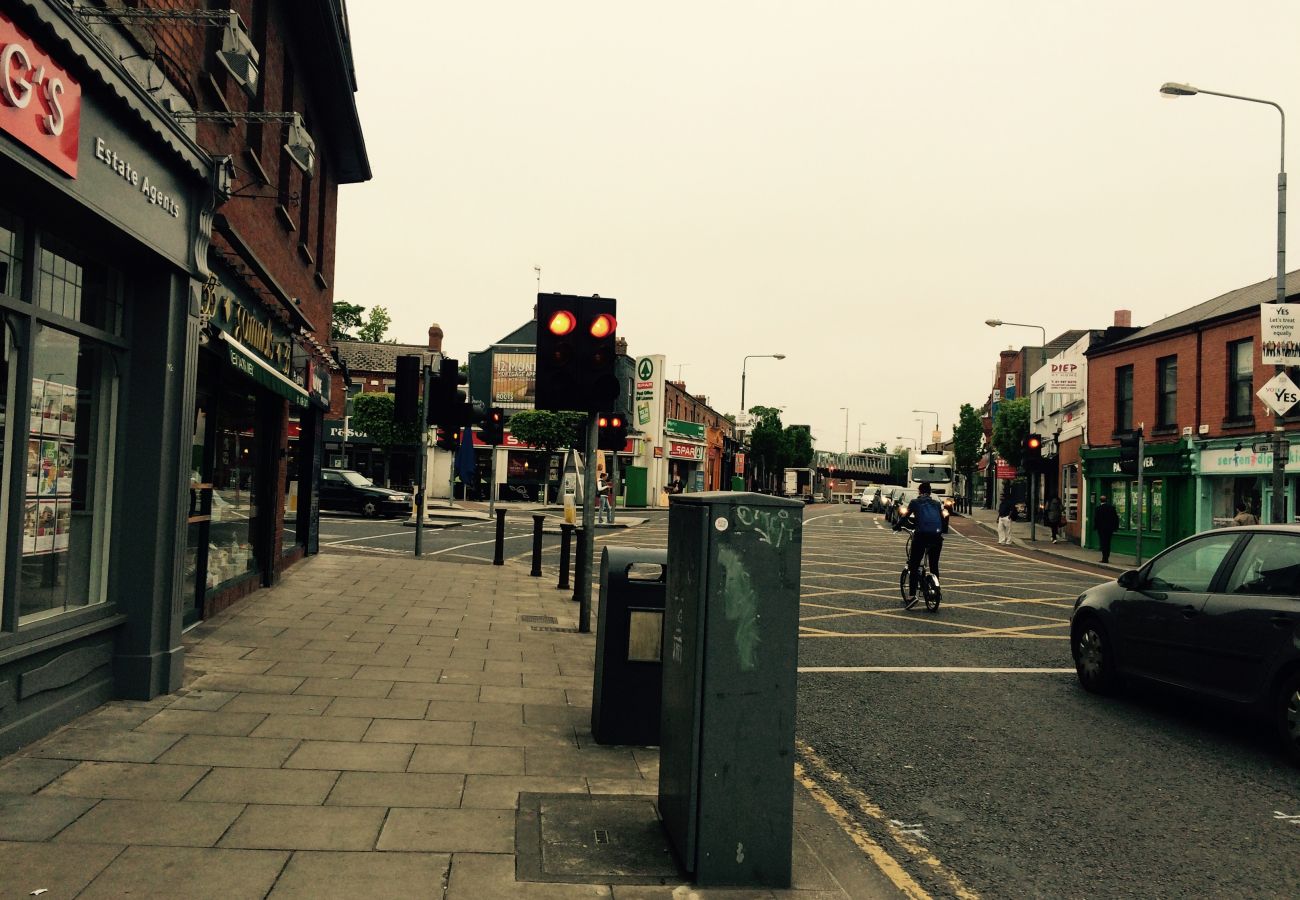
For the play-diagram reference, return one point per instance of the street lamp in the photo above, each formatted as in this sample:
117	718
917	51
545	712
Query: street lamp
860	424
745	363
931	412
846	428
902	438
1173	89
994	323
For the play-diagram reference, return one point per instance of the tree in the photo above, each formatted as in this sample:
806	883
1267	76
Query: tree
796	447
898	465
376	325
1010	429
966	437
373	414
879	448
548	431
766	440
347	316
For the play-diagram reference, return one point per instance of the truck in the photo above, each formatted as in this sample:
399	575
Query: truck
800	483
936	468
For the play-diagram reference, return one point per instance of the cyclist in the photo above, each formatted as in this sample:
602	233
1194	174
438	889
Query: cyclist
929	520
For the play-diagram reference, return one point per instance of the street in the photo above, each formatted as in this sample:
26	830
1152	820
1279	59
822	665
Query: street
960	741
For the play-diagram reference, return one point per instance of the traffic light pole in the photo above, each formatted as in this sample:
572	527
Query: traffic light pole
613	488
423	467
1137	548
582	584
1033	503
492	484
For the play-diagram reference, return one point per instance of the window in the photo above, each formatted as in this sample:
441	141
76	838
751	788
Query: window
1190	567
232	536
1167	392
1269	565
1124	398
84	291
7	388
1241	376
11	256
69	459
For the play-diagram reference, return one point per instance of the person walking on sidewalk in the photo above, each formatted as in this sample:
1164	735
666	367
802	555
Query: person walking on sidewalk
1106	521
1244	516
604	512
1054	517
1005	509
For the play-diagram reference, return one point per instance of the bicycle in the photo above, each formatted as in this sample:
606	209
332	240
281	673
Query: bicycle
926	581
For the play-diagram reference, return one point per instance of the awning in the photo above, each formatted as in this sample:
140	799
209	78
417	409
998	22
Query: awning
254	367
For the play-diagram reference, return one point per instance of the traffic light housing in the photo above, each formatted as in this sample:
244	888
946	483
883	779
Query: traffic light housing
446	402
1032	458
611	431
494	427
1130	448
406	389
576	353
448	438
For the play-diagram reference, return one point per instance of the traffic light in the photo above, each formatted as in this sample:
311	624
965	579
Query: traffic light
1130	451
406	390
1032	458
611	431
445	398
576	352
494	427
448	438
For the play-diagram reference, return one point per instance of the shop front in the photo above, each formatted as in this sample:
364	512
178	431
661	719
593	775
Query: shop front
1231	476
686	453
1164	510
101	240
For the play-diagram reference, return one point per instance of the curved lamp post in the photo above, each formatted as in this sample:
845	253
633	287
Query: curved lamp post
745	363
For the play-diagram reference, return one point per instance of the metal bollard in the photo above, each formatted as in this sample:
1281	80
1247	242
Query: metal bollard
499	554
566	535
580	549
538	519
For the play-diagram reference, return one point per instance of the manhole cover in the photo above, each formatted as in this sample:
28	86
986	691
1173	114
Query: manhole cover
578	838
538	620
561	628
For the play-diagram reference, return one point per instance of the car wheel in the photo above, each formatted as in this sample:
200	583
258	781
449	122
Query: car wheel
1287	714
369	509
1094	658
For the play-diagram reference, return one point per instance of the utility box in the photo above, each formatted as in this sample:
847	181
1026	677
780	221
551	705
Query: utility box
634	480
628	687
731	643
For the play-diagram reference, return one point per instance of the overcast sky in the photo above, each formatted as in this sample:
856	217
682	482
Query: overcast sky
857	185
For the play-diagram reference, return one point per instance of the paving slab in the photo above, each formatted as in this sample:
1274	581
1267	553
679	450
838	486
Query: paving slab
351	756
491	876
316	728
103	745
397	789
378	708
190	872
420	732
58	871
298	787
453	759
178	824
193	721
449	830
276	827
217	750
25	817
126	781
311	875
24	775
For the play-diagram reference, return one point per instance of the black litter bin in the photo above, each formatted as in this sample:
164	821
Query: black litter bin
629	642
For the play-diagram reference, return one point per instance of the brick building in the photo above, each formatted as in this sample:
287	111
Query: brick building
1189	381
699	441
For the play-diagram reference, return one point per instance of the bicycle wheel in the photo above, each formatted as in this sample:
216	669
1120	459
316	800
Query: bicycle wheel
902	585
930	587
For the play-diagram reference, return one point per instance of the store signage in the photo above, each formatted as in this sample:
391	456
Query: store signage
514	377
335	430
1006	471
677	450
1063	377
1279	333
649	390
1228	461
249	325
1279	393
1117	467
40	103
678	428
131	175
740	464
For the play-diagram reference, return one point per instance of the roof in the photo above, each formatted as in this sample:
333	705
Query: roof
363	356
1237	301
1065	340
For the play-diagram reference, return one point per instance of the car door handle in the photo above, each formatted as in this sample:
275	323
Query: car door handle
1188	611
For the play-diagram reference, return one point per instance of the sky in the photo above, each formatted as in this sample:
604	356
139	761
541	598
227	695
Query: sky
854	184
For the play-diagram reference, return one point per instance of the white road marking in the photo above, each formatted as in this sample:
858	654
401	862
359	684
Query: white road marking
370	537
935	670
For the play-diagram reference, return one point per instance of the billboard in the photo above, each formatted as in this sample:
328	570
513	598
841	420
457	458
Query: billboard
1279	331
514	378
1064	375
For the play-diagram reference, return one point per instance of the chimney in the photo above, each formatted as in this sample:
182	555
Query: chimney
620	346
435	337
1123	318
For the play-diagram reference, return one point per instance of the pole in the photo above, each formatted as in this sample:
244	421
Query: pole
423	466
1033	505
538	520
1137	550
492	484
1278	515
614	490
846	429
566	538
583	588
742	384
499	550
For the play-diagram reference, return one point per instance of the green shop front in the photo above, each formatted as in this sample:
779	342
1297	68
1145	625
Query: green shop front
1232	475
1168	497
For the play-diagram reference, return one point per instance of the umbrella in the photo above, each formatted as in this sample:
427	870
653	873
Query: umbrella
465	457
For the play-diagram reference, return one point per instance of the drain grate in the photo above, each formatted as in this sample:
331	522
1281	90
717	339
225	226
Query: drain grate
561	628
539	620
601	836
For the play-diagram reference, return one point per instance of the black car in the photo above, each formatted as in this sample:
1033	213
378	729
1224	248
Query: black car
1217	614
346	490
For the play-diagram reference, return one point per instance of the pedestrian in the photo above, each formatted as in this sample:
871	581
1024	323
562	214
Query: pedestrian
604	512
1054	517
1005	509
1244	516
1106	521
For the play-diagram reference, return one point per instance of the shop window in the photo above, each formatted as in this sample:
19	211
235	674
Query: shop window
1167	392
1241	375
1124	398
232	531
11	256
67	485
8	365
294	466
84	291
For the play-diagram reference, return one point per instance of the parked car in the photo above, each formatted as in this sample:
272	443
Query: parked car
349	491
1217	614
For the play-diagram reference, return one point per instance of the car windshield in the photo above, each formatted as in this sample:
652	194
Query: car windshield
356	479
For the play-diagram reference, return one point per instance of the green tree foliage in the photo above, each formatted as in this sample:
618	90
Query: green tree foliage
879	448
1010	429
766	439
966	436
376	325
797	447
898	465
347	316
373	415
548	431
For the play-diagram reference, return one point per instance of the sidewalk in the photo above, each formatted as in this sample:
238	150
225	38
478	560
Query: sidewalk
441	514
988	518
368	728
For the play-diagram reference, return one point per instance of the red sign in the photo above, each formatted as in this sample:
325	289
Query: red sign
40	103
1006	471
685	451
740	463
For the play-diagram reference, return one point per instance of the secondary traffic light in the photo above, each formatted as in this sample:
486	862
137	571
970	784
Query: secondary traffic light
448	438
1033	455
611	431
445	398
494	427
406	390
576	352
1130	451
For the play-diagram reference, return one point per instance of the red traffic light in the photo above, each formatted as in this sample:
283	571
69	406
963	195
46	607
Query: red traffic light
1034	442
616	421
562	322
603	326
602	422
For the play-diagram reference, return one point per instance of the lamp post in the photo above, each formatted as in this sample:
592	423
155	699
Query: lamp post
1033	479
900	437
860	424
1173	89
745	363
931	412
846	428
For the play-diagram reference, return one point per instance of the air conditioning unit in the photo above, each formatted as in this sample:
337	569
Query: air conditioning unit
1203	429
1187	431
299	145
239	56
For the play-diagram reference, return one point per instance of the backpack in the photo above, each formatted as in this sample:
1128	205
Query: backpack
929	515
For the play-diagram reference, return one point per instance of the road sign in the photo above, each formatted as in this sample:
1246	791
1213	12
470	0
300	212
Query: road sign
1279	393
